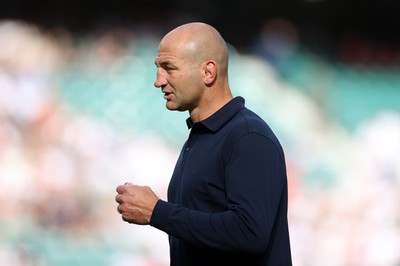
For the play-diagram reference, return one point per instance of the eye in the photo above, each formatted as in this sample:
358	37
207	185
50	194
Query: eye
169	68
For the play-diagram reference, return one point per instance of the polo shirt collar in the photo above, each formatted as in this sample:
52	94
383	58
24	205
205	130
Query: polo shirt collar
223	115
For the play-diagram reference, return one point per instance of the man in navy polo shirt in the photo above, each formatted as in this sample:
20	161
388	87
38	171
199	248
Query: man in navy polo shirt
227	198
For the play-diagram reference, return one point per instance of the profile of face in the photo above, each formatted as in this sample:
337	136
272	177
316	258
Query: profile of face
192	69
179	75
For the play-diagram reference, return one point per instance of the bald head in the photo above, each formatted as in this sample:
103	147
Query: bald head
192	70
199	42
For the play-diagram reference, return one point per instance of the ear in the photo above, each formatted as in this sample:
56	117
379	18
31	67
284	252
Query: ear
210	72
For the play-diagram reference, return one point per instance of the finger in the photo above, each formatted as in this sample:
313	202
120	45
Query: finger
118	199
120	189
126	219
119	208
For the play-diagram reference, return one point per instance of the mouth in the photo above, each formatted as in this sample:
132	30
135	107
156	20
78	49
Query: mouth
167	95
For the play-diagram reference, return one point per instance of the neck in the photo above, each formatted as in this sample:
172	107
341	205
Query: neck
209	106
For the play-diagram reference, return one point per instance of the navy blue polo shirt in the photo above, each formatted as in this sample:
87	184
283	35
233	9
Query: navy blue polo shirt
227	198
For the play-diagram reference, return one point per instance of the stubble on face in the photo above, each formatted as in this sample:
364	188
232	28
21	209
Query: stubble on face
181	69
190	46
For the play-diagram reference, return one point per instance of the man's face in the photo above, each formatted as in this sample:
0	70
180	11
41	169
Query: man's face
178	76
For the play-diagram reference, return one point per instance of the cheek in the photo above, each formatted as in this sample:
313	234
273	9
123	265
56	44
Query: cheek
195	80
187	83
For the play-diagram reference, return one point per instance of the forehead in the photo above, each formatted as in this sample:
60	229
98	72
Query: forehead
168	53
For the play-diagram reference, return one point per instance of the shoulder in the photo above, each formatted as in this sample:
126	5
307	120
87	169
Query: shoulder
247	124
246	121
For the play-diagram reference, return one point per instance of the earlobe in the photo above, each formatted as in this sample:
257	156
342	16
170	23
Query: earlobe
210	73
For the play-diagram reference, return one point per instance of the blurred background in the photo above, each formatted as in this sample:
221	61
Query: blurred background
79	115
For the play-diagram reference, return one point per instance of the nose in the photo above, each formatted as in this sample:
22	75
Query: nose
161	81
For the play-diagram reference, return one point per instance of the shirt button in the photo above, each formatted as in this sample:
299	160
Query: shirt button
187	148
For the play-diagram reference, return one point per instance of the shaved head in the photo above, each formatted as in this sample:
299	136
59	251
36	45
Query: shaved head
192	70
200	42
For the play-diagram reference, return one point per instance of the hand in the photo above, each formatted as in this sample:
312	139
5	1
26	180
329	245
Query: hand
136	203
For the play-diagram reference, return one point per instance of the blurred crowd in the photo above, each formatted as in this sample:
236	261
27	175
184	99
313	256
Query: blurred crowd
78	117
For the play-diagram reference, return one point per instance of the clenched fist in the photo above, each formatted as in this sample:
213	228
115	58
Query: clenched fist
136	203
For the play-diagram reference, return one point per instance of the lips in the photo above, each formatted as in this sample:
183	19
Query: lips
167	95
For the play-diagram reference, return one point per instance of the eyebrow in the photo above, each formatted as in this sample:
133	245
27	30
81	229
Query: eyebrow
164	63
161	62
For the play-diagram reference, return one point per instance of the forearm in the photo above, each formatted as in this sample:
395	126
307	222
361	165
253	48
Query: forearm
229	230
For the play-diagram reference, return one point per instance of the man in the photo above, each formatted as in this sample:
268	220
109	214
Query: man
227	198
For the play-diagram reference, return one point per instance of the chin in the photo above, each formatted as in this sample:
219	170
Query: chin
171	107
175	108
